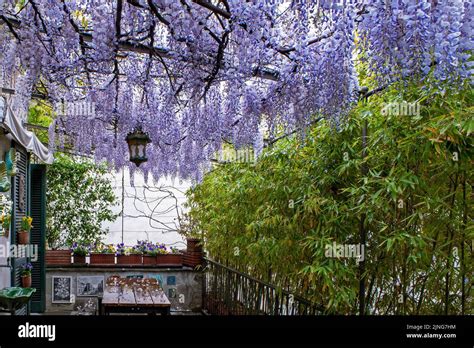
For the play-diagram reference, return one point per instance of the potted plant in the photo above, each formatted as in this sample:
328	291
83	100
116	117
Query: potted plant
5	220
193	256
79	251
168	258
24	233
193	244
26	275
128	255
102	254
5	217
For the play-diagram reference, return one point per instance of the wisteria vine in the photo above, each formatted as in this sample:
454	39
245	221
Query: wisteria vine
196	73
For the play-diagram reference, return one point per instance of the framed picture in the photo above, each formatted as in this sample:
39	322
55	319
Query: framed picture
90	285
62	288
171	293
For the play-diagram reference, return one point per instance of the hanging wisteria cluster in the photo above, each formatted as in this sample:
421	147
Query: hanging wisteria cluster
196	73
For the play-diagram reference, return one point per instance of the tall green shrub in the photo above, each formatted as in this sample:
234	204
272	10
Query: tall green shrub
275	219
79	198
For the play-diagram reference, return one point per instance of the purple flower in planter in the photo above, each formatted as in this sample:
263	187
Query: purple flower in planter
26	269
80	249
121	249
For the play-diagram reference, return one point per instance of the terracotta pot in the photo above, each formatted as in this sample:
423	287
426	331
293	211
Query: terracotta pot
102	259
149	259
170	259
23	237
79	260
26	281
193	244
58	257
134	259
192	258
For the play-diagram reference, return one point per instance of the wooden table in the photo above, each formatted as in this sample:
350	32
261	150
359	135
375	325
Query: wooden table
134	299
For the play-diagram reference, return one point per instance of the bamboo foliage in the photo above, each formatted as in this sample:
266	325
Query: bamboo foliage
275	219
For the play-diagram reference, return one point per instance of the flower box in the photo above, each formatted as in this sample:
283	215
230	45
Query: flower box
79	252
132	259
169	259
149	260
58	257
102	259
79	260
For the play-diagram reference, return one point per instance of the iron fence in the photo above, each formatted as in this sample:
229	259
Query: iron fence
227	291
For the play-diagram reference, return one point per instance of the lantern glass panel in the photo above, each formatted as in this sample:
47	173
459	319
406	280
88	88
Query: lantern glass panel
137	143
141	150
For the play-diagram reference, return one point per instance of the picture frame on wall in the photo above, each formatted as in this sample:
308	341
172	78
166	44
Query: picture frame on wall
90	286
171	293
61	289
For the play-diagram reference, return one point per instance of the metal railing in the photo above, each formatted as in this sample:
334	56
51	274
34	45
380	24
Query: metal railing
227	291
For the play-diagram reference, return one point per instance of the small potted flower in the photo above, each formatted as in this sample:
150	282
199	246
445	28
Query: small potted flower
168	258
24	233
128	255
26	275
5	220
79	251
103	254
5	216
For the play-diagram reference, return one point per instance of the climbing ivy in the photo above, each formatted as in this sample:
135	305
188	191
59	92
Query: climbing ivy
275	219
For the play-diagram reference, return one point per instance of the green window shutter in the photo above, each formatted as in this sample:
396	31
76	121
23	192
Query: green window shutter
20	206
38	233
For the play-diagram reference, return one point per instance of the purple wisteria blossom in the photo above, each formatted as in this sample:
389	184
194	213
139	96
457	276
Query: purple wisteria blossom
195	74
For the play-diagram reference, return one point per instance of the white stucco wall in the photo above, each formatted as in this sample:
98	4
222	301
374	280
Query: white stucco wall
141	228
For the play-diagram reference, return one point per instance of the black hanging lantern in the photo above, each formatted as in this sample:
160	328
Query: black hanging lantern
137	141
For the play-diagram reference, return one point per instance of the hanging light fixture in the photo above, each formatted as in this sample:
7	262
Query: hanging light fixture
137	141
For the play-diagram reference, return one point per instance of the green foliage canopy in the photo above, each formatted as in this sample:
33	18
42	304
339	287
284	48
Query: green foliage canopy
80	198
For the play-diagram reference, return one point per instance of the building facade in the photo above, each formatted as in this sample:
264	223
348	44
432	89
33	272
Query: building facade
23	193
